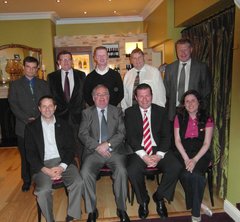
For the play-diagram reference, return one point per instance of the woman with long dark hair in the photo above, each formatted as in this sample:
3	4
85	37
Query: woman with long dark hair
193	130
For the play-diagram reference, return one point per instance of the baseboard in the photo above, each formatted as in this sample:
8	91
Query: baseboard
232	211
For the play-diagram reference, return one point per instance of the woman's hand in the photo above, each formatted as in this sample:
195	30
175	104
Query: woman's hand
190	164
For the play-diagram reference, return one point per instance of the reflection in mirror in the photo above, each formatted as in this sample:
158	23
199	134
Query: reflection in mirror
11	57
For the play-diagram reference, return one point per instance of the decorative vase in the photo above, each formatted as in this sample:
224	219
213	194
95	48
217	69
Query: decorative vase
15	68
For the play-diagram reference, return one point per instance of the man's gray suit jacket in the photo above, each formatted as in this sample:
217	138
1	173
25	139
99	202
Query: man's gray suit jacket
199	80
23	103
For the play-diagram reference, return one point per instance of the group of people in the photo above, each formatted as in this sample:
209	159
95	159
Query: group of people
123	125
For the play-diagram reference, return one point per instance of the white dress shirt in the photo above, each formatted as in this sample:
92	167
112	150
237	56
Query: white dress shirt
187	76
150	75
142	153
50	145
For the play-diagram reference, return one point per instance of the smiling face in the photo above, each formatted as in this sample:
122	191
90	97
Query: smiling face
47	108
191	104
144	98
101	58
184	52
101	97
65	62
137	59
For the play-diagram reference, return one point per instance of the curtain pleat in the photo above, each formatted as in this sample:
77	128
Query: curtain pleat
213	44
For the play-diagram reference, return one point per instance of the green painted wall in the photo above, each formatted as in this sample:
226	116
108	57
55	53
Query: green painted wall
233	187
100	28
33	33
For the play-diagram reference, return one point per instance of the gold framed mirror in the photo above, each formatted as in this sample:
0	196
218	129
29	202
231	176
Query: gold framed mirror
11	57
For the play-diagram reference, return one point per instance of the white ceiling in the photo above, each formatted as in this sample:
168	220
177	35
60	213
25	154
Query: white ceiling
74	9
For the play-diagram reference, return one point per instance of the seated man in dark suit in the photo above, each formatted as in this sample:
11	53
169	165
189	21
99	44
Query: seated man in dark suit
147	132
102	132
50	152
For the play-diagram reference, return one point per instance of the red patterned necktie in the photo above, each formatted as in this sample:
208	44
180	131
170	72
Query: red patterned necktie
66	88
147	134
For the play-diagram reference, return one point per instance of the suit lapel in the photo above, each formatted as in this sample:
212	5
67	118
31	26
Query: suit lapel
95	120
76	85
191	75
40	139
58	84
175	74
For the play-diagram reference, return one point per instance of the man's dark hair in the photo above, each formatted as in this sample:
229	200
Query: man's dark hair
137	50
142	86
30	59
64	52
46	97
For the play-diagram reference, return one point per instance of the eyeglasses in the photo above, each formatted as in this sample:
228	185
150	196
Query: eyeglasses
102	95
65	60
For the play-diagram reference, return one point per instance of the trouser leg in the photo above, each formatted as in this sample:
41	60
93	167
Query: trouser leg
43	191
171	169
25	167
135	169
74	183
117	164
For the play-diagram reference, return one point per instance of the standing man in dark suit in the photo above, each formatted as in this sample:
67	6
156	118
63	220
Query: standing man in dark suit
50	151
102	132
24	94
195	76
66	87
102	74
147	133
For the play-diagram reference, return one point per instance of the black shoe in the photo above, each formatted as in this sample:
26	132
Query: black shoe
143	210
92	217
160	206
69	218
123	216
25	187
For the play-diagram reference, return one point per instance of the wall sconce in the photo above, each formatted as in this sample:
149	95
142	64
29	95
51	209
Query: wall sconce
129	46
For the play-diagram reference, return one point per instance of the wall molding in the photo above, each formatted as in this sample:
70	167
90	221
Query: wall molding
231	210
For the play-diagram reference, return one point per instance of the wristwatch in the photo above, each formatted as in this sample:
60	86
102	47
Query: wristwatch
109	144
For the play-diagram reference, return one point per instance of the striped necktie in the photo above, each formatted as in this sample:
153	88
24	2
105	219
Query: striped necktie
147	134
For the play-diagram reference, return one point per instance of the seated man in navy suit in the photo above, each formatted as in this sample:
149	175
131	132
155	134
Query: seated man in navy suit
50	151
147	133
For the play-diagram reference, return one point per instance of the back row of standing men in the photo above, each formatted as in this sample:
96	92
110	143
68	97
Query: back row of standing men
70	89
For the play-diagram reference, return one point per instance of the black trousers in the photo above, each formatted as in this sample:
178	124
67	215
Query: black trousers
25	167
170	167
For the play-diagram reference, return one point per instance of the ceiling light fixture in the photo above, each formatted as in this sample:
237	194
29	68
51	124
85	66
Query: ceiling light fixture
58	1
115	12
5	2
85	13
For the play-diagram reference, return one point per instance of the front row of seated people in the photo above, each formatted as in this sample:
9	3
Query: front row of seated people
103	129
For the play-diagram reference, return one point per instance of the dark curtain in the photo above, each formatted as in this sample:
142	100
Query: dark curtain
213	44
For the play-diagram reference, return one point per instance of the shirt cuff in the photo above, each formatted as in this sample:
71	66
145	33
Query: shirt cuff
64	166
161	154
141	153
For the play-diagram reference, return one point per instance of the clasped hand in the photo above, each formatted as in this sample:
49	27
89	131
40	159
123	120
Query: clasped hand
190	164
152	160
55	173
103	149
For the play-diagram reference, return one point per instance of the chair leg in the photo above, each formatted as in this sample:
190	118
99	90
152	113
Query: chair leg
132	195
210	183
39	212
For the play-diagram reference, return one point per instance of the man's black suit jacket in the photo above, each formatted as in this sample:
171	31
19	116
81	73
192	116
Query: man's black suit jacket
159	128
34	143
70	111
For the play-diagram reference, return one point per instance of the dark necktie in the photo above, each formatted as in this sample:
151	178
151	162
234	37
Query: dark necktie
31	86
181	83
104	131
66	88
136	83
147	134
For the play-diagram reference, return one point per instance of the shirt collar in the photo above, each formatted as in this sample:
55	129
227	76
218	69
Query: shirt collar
102	72
46	123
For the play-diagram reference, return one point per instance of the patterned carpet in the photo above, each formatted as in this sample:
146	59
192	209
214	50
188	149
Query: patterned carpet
217	217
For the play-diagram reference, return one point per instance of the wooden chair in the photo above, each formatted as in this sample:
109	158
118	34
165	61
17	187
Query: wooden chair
55	185
148	171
